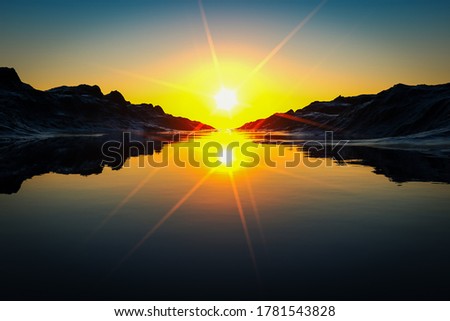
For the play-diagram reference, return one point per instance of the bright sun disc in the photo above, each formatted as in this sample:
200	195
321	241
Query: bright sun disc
226	99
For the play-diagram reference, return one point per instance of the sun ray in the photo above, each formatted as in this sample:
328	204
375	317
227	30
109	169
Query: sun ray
283	42
305	121
160	82
164	218
198	127
212	47
244	224
123	202
255	208
257	124
312	69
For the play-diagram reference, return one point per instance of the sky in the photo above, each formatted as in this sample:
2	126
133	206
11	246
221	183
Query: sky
275	55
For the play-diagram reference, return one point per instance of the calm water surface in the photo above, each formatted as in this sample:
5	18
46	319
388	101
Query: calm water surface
331	232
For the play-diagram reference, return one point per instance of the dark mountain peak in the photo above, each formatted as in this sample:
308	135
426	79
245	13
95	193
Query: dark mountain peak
9	79
158	109
401	94
116	97
401	86
353	100
9	75
417	88
89	90
326	107
396	89
290	112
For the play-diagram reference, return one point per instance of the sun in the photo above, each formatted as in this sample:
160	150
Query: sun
226	99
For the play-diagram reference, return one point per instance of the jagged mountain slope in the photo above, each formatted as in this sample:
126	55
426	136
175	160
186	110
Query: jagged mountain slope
79	109
399	111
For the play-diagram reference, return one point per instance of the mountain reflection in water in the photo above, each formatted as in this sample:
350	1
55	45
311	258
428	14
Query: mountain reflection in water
365	224
23	159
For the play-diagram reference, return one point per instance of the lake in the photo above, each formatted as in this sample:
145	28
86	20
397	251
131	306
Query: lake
175	219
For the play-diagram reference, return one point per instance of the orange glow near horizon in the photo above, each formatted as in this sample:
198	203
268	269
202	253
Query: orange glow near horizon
185	83
273	62
259	94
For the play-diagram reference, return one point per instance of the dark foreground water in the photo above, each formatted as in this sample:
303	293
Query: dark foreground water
375	224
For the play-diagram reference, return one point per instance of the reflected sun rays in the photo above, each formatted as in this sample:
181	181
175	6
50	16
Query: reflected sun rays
244	224
255	208
185	197
123	202
165	218
222	172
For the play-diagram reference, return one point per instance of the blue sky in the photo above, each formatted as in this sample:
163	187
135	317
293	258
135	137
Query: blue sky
347	47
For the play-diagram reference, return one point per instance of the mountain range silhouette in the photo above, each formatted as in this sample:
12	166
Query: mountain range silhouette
402	110
79	109
396	112
51	131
